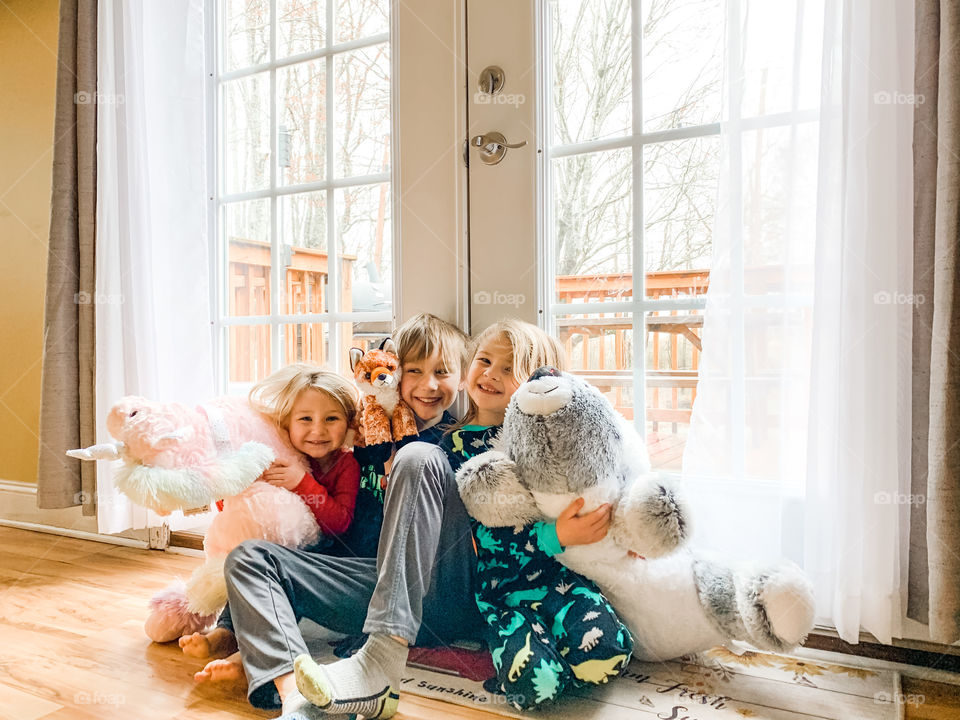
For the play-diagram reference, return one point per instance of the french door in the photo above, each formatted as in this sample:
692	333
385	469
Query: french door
593	164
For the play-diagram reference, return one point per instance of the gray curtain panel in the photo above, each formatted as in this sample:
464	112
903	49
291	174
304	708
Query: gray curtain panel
934	570
67	400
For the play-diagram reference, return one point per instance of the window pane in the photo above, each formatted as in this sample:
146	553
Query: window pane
249	353
302	145
306	343
682	62
303	237
777	42
301	26
246	133
246	33
247	235
364	228
364	335
592	221
779	208
363	111
361	18
679	203
672	364
591	69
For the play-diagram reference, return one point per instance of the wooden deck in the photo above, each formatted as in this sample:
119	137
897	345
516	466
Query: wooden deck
73	646
666	449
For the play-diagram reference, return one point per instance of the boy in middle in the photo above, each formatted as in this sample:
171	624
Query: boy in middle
420	586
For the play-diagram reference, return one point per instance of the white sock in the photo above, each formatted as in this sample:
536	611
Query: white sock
363	684
293	701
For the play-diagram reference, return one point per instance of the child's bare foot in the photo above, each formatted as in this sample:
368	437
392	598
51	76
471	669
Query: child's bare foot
227	670
218	641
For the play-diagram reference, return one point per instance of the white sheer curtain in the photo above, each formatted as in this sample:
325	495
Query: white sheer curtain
798	444
153	314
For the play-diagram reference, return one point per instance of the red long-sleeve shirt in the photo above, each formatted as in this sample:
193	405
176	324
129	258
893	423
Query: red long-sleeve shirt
332	495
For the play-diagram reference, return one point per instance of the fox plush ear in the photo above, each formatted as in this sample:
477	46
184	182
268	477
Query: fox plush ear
388	346
355	355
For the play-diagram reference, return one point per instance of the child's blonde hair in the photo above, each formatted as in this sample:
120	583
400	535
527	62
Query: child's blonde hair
422	335
531	347
276	394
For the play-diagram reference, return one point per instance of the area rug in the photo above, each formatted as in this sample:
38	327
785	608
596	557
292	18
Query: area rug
715	685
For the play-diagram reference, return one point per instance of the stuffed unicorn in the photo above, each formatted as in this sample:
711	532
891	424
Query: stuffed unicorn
178	457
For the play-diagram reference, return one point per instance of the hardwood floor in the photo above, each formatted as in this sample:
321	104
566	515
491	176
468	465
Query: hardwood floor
72	643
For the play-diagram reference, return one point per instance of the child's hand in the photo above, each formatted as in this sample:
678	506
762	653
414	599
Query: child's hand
283	475
583	530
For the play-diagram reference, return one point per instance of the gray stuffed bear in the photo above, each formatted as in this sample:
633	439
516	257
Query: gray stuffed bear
561	440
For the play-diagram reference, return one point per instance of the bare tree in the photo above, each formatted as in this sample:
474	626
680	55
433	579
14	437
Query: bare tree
592	100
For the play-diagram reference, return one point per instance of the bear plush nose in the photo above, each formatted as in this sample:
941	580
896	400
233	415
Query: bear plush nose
545	371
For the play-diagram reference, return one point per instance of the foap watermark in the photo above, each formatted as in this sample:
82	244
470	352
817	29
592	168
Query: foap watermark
886	97
483	297
99	698
912	699
85	298
515	99
885	297
93	498
86	98
501	499
895	498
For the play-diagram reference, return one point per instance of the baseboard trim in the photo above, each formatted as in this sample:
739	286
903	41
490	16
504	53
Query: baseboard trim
928	655
20	488
78	534
186	540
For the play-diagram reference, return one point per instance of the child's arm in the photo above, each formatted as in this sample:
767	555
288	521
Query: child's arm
332	506
583	529
333	502
553	538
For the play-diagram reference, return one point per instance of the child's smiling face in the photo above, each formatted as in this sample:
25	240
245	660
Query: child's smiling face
317	424
490	380
428	386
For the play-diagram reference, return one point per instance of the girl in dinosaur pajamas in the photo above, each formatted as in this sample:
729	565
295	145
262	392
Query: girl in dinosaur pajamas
547	627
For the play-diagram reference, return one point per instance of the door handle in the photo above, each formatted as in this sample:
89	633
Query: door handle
493	146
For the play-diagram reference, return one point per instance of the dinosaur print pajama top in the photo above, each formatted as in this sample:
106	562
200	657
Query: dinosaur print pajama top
547	627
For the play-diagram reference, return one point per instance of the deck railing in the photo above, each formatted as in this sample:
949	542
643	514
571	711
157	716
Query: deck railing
600	347
305	290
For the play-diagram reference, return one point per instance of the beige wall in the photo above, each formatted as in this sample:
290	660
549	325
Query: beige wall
28	41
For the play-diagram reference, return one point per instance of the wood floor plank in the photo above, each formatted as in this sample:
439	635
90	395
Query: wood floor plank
26	705
927	700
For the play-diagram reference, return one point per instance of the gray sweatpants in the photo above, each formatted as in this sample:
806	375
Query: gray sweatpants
419	588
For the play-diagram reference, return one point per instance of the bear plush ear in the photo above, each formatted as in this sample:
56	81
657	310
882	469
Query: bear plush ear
356	354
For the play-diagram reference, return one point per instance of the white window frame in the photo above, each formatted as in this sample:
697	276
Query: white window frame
218	199
639	305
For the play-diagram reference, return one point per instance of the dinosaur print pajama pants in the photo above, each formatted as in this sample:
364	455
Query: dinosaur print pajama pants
548	637
546	626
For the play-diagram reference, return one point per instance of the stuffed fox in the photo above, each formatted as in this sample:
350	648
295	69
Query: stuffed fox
383	416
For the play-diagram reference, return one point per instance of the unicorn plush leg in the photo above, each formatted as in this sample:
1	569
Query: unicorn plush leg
170	618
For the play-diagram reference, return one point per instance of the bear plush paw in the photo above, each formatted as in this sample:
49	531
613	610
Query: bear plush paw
493	494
